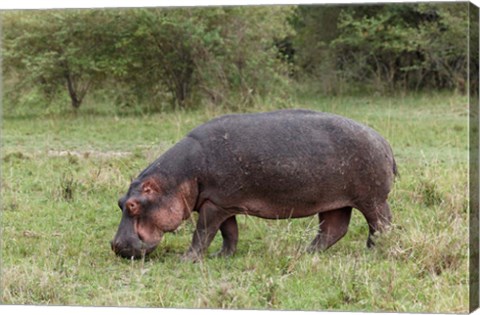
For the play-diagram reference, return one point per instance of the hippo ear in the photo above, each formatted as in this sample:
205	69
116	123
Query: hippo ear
150	186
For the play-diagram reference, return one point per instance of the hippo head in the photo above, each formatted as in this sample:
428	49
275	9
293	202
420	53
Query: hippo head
148	211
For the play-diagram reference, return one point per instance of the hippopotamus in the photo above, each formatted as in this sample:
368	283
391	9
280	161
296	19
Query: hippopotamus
275	165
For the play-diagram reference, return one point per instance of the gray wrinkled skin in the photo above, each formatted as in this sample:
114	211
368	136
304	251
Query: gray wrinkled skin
276	165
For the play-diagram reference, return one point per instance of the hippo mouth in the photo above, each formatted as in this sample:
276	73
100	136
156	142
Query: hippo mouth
136	250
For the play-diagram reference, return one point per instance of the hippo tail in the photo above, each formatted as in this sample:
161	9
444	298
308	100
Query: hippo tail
395	169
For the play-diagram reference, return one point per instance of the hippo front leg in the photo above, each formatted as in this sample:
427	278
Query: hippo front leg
210	217
229	229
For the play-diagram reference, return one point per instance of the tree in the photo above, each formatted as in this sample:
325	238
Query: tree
385	47
316	27
175	56
70	48
243	61
164	42
207	53
445	44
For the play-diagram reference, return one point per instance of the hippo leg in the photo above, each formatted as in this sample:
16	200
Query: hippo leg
210	217
229	231
378	217
333	226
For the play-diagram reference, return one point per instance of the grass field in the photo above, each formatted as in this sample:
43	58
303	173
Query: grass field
63	173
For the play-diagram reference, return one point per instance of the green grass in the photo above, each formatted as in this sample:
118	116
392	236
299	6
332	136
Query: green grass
62	174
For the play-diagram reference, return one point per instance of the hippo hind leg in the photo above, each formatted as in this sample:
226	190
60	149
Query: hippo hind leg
333	225
378	217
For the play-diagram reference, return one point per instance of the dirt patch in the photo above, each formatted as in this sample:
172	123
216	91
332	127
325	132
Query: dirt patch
89	153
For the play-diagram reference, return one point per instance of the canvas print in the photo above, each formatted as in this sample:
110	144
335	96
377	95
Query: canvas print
284	157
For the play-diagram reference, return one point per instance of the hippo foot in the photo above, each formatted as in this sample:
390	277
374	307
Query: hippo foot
224	252
317	245
314	248
192	256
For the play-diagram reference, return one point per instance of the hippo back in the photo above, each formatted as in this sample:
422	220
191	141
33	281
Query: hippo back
295	155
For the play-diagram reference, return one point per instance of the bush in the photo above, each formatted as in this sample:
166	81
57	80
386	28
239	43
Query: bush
386	47
162	56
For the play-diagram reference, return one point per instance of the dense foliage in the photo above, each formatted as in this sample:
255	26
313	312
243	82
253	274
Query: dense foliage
231	56
385	47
